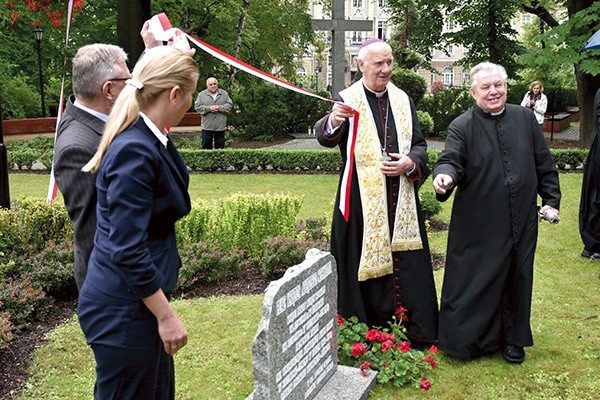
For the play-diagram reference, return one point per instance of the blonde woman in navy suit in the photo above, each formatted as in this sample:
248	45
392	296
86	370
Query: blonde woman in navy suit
142	185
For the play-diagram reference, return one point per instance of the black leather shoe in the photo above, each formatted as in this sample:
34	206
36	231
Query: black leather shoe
591	255
513	354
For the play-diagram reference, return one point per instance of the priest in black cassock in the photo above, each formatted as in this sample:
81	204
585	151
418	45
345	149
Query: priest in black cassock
589	206
498	161
378	234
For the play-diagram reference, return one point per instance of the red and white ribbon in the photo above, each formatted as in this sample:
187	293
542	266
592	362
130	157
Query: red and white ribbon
52	187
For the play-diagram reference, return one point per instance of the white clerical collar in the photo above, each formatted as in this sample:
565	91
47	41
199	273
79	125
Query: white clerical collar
97	114
498	113
377	94
160	135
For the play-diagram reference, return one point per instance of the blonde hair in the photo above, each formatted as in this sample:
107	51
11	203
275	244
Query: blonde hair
160	69
536	83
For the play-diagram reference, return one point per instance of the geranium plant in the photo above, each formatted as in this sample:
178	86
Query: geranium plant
386	351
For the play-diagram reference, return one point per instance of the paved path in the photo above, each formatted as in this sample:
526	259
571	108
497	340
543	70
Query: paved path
305	142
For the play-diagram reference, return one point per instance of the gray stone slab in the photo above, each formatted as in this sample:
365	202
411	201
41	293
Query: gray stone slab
294	351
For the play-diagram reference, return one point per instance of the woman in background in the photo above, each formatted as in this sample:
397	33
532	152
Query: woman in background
142	185
536	101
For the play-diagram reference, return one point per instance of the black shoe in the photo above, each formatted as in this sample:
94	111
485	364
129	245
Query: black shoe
513	354
586	254
591	255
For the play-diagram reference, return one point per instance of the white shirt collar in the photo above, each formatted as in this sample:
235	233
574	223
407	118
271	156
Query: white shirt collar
160	135
97	114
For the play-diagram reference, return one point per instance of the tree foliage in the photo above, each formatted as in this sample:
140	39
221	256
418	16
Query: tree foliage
271	41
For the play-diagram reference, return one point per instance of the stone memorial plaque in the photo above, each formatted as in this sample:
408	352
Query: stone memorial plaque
295	349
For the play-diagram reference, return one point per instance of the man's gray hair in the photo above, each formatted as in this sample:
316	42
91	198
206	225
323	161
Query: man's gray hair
364	51
486	65
93	65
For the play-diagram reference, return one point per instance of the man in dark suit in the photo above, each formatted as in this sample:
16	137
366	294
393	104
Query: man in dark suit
99	74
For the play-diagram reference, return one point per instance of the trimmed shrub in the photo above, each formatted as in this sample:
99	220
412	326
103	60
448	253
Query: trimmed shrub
22	301
240	220
207	262
40	223
426	122
5	329
279	253
50	269
313	229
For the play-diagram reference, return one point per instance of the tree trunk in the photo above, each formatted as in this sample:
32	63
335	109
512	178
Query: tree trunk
131	16
587	85
238	42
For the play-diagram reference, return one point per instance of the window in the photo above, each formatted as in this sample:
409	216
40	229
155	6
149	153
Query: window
357	37
383	3
466	77
382	30
357	3
449	26
450	49
448	77
301	70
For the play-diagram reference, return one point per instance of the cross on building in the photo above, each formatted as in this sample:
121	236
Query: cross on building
338	25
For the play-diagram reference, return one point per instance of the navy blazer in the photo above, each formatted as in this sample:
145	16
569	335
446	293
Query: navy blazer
142	191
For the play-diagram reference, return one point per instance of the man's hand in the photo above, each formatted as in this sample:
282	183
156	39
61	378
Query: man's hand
180	41
441	183
339	114
398	165
148	37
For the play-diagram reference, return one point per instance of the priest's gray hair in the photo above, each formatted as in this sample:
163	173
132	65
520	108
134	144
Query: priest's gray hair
486	65
365	51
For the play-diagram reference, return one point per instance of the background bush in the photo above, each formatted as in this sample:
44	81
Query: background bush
240	220
207	262
263	111
412	83
444	106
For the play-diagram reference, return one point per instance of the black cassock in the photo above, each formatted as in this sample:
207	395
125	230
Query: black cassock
589	206
411	285
499	164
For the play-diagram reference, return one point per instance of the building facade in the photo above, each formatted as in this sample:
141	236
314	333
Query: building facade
319	65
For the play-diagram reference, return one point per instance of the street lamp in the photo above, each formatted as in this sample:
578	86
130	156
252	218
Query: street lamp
38	33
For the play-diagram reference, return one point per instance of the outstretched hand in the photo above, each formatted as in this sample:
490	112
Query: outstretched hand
442	183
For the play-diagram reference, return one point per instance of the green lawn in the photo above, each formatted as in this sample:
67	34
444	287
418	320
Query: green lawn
216	364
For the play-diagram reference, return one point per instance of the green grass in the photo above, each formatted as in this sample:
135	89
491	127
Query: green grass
217	363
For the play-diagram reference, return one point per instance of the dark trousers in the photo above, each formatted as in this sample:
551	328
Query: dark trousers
208	136
132	373
131	362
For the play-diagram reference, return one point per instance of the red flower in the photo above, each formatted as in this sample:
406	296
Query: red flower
385	346
433	349
401	313
374	335
388	336
340	320
431	361
425	385
404	346
358	349
364	367
385	365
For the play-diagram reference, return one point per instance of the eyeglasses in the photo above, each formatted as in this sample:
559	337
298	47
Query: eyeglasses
119	79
